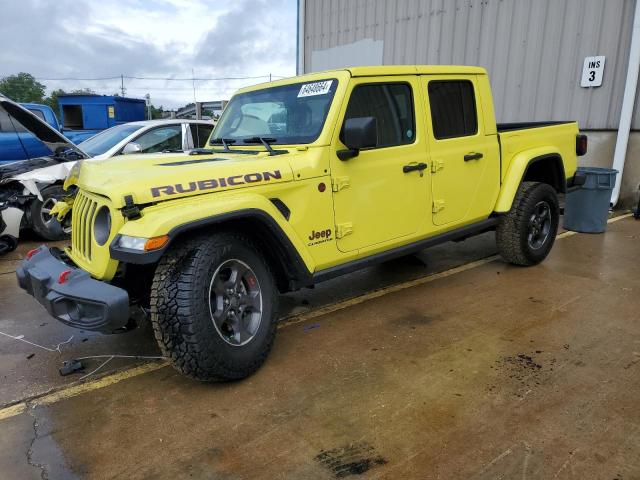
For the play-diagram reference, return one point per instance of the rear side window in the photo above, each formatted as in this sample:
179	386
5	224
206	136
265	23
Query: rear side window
453	108
38	114
391	104
200	133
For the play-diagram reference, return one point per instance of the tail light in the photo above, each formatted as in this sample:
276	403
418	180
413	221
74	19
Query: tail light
581	145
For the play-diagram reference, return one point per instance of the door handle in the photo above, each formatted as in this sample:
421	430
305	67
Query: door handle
472	156
414	167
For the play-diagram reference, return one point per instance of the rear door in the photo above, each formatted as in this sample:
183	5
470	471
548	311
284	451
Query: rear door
375	201
464	161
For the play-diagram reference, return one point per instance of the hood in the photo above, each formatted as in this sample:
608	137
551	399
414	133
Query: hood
48	135
151	179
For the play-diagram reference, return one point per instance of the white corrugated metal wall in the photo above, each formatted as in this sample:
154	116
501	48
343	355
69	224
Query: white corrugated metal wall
533	49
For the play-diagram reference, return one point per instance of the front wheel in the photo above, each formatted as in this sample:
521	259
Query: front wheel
43	223
213	304
526	234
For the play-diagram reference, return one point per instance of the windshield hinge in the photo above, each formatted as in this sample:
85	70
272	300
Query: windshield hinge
130	211
344	229
339	183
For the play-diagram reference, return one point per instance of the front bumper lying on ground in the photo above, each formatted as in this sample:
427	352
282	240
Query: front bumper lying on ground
70	294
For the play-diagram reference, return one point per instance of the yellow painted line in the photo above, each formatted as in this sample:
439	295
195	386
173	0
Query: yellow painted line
75	389
80	388
13	410
116	377
303	317
570	233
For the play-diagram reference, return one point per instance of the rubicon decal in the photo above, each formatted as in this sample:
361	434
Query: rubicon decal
215	183
319	236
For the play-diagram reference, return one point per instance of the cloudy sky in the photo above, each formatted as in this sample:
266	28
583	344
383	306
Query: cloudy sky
150	39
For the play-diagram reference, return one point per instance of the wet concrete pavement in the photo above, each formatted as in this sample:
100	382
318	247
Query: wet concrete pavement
27	371
492	372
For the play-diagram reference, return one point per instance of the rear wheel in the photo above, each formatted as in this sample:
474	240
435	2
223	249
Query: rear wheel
44	224
213	303
526	234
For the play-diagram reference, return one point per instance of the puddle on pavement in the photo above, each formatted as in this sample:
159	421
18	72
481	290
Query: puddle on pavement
45	453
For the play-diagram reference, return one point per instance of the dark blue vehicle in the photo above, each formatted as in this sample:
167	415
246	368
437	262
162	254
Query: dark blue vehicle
16	143
82	116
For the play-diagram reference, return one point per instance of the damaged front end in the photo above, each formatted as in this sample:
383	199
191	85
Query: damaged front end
12	204
30	189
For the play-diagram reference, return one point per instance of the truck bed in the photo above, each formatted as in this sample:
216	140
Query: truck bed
542	137
506	127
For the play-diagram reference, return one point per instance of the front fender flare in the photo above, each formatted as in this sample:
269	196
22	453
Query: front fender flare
176	218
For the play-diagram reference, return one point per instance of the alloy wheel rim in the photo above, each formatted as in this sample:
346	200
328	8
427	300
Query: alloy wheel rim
235	302
45	210
539	225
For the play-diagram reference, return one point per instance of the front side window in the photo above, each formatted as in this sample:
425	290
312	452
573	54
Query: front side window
161	139
290	114
453	108
391	104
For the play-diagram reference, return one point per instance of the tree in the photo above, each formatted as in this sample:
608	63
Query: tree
156	112
22	87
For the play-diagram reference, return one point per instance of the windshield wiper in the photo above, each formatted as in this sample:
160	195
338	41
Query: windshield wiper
265	141
224	141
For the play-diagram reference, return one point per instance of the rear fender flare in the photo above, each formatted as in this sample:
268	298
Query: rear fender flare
517	172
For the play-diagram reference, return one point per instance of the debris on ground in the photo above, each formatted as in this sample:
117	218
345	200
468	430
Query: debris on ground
71	366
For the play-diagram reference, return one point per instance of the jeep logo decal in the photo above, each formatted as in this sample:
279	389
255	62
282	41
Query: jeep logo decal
214	183
319	236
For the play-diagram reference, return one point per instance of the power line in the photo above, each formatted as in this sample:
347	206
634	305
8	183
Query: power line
169	79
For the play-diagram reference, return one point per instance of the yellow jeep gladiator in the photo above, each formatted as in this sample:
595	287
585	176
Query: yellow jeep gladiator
305	179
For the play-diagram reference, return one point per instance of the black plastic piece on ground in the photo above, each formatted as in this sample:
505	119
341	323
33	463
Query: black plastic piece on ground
71	366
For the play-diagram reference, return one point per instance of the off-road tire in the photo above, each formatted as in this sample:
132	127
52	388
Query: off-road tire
51	230
180	314
513	230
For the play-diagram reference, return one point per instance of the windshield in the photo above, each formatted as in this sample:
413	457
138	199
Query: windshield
103	141
291	114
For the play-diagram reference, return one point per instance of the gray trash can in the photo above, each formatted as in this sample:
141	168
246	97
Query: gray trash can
586	207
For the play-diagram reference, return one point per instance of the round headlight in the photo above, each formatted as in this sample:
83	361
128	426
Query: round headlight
102	226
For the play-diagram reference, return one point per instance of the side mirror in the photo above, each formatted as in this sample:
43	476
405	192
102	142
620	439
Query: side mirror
131	147
358	133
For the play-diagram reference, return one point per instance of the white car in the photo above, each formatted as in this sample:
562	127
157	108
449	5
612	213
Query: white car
149	136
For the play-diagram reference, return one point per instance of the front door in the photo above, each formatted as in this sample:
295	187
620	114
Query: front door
376	199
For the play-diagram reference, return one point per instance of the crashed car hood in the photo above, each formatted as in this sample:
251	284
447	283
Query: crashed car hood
151	179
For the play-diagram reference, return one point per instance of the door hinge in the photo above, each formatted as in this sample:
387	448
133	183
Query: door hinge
437	165
344	229
437	205
339	183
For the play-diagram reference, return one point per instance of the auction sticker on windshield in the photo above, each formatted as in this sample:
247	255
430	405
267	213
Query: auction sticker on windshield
317	88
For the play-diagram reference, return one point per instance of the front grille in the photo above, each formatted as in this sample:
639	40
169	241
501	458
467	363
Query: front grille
82	216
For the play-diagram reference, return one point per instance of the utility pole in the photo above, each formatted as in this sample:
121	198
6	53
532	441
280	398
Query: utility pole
122	84
193	79
148	100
